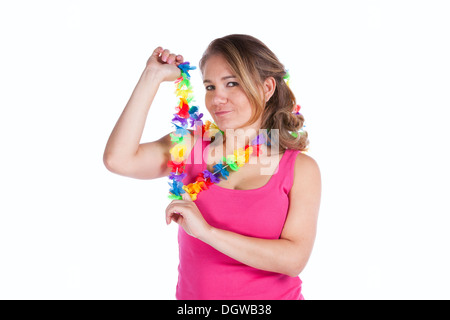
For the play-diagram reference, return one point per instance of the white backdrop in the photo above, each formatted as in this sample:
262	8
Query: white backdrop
372	78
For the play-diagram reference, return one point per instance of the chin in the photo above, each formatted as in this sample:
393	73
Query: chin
226	125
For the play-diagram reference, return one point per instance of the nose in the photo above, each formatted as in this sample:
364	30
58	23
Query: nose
219	97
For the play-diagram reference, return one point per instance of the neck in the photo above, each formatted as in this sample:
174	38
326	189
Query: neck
239	138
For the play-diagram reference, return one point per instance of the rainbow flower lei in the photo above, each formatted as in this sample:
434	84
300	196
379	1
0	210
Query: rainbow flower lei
189	116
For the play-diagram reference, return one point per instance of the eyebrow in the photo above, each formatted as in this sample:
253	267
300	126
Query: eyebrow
224	78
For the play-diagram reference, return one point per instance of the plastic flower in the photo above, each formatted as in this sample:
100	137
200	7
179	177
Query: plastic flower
176	166
208	175
260	139
239	156
182	121
248	152
185	68
181	130
183	109
176	188
177	177
221	169
178	152
176	139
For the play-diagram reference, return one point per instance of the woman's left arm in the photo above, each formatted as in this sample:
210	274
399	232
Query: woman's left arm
287	255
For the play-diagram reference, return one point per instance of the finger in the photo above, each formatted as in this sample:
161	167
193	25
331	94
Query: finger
177	202
169	213
171	216
178	218
171	210
157	52
175	216
165	55
171	58
186	197
179	60
177	206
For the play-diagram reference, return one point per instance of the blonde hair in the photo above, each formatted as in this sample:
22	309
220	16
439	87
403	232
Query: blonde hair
252	63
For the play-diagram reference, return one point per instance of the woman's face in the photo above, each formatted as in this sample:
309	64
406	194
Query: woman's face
225	98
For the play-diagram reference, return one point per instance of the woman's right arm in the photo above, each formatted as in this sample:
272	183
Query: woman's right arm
123	153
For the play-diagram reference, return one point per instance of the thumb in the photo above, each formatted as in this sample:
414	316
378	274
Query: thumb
186	196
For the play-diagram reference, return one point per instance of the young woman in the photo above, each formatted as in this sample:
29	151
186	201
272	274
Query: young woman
250	235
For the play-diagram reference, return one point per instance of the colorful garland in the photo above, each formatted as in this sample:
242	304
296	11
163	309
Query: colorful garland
188	115
287	78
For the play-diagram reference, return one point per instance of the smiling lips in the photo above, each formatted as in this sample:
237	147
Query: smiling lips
222	113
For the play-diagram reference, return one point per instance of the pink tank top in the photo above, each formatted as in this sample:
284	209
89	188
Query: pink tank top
207	274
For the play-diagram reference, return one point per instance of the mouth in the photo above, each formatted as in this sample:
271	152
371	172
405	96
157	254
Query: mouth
222	113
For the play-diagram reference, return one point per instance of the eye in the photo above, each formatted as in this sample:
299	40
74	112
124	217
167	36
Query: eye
234	84
209	88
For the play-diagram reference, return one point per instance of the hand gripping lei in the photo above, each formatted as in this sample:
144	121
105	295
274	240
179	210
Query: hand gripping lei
188	115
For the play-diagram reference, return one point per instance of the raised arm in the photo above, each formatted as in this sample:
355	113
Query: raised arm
123	153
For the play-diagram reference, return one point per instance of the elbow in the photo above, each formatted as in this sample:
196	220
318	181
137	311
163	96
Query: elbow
294	271
107	161
295	260
294	267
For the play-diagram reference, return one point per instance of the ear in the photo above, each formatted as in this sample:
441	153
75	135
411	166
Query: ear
270	84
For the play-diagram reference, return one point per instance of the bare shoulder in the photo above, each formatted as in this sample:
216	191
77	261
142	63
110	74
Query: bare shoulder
305	163
306	174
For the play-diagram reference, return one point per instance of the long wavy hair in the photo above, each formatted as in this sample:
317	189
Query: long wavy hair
253	62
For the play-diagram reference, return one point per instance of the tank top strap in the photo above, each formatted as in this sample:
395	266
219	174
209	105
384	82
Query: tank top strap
205	144
284	175
195	161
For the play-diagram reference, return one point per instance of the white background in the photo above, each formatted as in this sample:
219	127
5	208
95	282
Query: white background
373	81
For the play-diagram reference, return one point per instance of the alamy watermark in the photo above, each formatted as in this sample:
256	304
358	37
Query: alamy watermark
268	139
